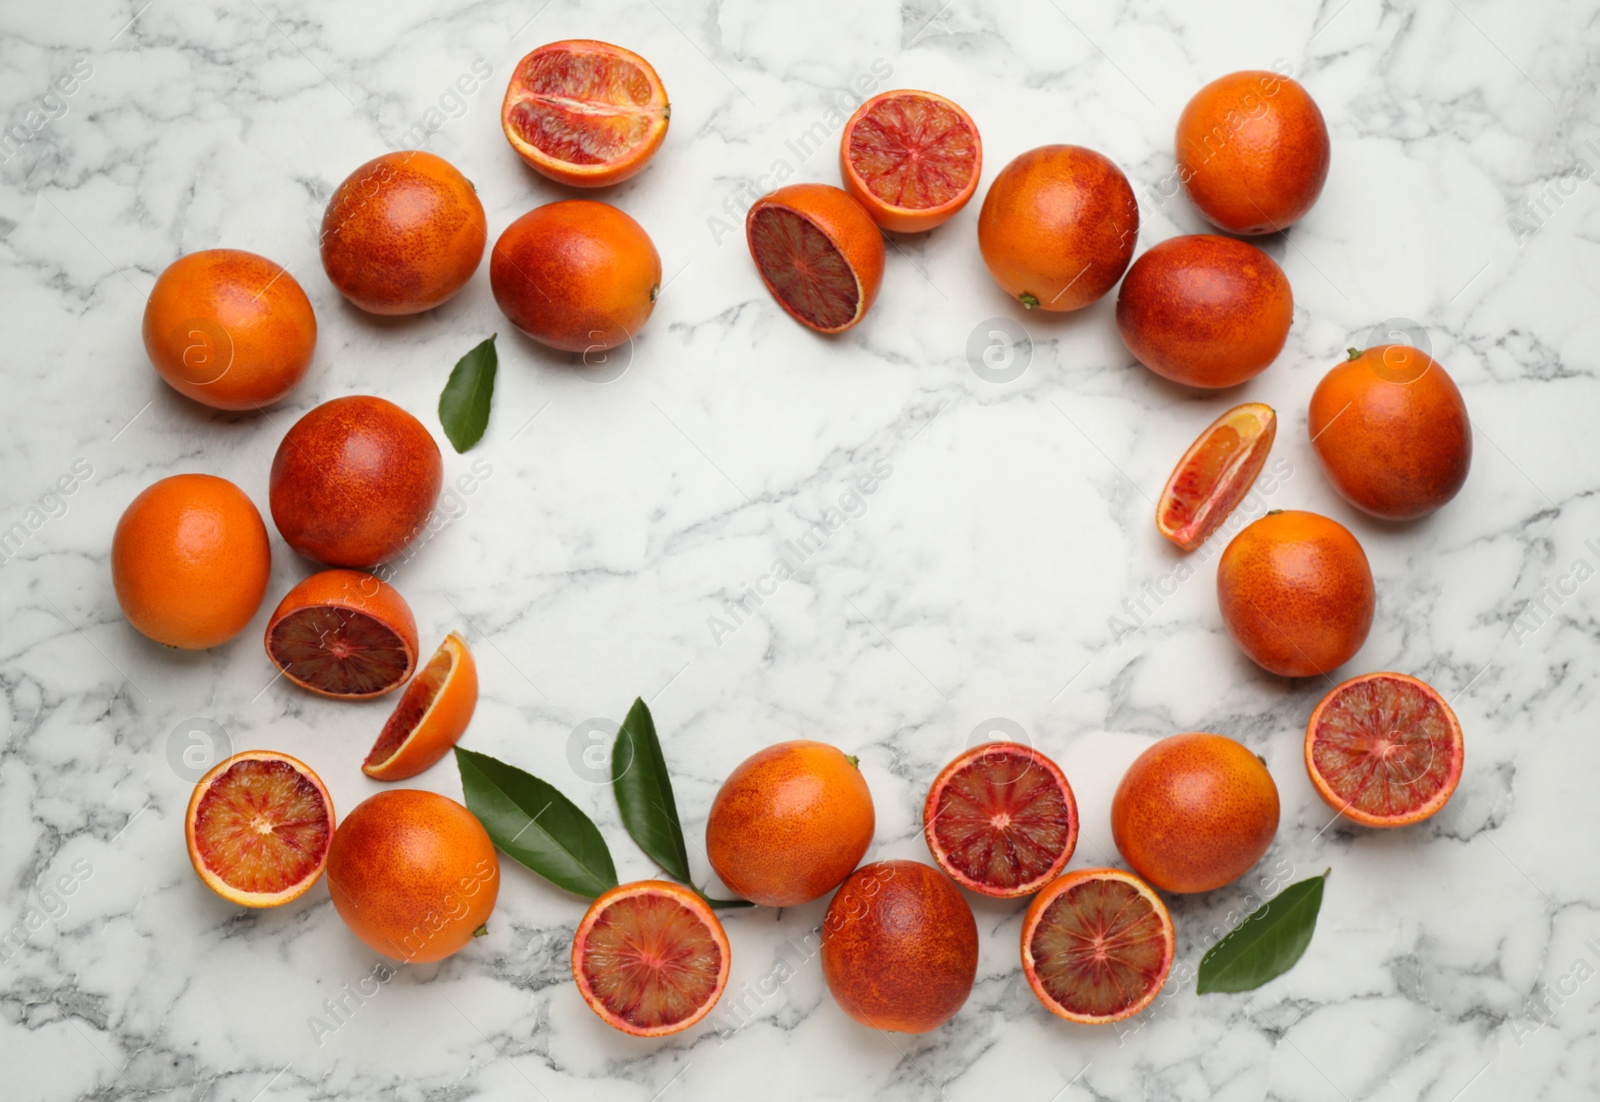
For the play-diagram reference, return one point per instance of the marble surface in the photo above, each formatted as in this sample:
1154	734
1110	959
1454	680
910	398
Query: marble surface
1003	573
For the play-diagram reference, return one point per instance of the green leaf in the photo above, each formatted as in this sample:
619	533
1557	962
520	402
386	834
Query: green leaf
536	825
1267	944
464	403
644	793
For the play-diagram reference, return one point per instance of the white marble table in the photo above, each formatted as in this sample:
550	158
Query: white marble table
972	590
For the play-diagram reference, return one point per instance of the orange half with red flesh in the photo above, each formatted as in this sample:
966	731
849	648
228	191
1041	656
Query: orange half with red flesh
650	958
585	113
258	828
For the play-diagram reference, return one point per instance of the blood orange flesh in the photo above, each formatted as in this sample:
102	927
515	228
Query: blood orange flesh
339	651
805	271
650	958
259	826
414	704
1384	750
585	113
1001	819
1097	945
1215	474
432	715
911	158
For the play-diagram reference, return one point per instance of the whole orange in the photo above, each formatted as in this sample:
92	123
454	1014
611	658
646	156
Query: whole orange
1058	227
899	947
577	275
403	233
1252	151
190	560
413	874
354	481
1194	812
230	329
1205	310
1391	432
1296	593
790	823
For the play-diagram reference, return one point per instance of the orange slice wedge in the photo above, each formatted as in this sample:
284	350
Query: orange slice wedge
432	715
1215	473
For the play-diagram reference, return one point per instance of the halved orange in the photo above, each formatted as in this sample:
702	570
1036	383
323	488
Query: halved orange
1001	819
1215	474
650	958
1097	945
258	827
819	253
431	716
585	113
1384	750
912	159
343	633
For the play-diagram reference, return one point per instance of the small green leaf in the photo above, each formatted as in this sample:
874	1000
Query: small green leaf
644	793
536	825
1267	944
464	402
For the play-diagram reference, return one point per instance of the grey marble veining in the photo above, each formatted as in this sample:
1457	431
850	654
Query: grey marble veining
1004	570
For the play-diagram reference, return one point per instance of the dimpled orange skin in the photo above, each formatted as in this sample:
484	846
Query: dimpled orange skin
577	275
1296	593
1391	432
1205	310
899	947
790	823
190	561
1058	227
403	233
230	329
354	481
1194	812
1252	151
413	874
